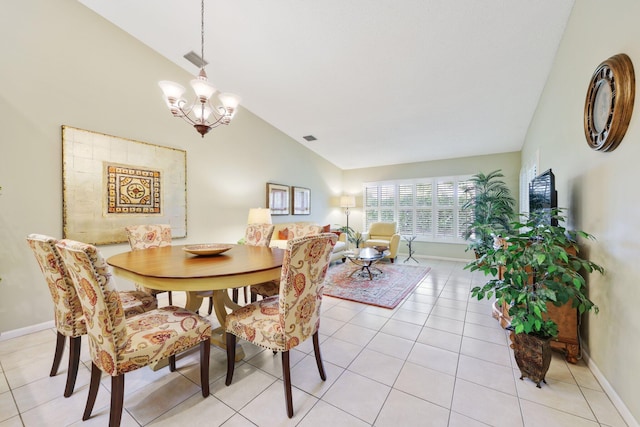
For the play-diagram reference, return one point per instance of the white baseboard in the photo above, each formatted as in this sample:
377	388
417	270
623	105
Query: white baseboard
611	393
25	331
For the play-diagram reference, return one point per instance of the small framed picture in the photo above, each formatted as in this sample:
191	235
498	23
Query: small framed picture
278	198
301	201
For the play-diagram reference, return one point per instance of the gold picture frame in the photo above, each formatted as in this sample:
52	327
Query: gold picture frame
301	201
278	198
111	182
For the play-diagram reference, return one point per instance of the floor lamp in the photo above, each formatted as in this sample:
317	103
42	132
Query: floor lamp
347	202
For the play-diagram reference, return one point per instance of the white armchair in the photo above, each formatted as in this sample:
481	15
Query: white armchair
383	234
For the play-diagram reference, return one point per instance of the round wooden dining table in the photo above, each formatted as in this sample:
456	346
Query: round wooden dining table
171	268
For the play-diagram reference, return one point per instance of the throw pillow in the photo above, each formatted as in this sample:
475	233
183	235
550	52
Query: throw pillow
283	234
326	228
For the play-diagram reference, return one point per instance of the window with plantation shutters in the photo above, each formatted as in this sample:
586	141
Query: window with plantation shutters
428	208
444	210
466	192
379	203
424	209
527	173
406	203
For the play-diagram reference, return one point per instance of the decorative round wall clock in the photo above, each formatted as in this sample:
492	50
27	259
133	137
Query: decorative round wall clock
609	103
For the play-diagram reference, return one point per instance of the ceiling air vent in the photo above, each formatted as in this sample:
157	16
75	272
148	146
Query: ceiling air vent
195	59
310	138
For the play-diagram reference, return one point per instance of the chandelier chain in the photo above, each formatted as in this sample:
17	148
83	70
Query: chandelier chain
202	33
201	114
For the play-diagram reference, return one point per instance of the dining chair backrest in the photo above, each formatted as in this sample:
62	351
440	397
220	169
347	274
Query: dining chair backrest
303	229
147	236
258	234
272	288
69	319
106	325
304	268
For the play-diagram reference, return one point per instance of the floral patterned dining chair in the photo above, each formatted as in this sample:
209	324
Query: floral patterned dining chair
284	321
258	234
118	344
145	236
269	289
254	235
68	317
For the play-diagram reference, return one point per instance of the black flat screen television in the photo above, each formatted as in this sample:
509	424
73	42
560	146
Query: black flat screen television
543	197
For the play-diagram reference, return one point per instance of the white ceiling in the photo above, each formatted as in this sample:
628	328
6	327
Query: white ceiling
377	82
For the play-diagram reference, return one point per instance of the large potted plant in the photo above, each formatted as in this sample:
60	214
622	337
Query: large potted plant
492	207
535	266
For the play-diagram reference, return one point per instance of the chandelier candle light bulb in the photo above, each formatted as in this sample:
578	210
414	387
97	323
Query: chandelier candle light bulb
201	114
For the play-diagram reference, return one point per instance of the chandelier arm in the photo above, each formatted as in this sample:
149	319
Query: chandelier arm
218	118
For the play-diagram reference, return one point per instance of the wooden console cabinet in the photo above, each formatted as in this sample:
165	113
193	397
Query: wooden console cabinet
565	316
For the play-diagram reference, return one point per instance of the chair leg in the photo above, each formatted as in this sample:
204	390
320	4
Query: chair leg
316	350
246	292
117	400
60	339
210	305
234	295
94	383
286	372
172	363
170	298
74	362
205	351
231	357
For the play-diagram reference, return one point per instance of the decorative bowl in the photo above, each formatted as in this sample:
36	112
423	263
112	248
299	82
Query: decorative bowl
206	249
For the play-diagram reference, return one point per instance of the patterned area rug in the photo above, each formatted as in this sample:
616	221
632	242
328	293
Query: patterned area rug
385	290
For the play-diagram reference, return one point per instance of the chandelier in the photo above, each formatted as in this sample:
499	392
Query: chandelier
201	114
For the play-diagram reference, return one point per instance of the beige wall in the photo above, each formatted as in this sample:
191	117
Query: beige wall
63	64
598	188
509	163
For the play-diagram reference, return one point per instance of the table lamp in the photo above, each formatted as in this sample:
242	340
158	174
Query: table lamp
259	216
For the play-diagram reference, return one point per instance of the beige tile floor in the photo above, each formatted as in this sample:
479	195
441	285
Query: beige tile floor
438	359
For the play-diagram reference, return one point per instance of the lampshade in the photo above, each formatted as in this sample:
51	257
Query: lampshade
259	216
203	89
172	91
347	201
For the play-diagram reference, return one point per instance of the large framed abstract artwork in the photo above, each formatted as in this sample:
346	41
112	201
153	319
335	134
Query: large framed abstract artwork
111	182
278	199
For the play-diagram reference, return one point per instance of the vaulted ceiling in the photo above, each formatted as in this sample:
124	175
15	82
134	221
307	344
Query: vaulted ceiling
377	82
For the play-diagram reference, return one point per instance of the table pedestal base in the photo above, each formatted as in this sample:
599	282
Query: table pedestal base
365	270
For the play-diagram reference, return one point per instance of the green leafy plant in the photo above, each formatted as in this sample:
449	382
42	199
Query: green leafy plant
493	210
357	238
354	237
540	264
